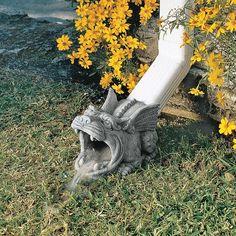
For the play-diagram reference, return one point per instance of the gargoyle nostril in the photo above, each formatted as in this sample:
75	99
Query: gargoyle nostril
82	120
85	119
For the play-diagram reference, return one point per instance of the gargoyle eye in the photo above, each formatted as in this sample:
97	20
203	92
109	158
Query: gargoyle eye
107	124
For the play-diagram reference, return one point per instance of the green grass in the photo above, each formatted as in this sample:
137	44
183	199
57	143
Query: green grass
183	192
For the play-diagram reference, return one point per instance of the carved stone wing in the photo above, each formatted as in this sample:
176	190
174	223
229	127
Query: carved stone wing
144	119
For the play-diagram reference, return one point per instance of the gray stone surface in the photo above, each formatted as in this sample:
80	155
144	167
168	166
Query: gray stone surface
54	10
149	35
118	137
30	45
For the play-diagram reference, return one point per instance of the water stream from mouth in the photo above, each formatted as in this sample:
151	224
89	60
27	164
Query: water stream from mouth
81	174
91	161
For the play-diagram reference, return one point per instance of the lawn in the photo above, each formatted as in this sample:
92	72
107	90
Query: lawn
189	189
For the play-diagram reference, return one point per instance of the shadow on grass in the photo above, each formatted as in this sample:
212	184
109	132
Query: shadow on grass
180	139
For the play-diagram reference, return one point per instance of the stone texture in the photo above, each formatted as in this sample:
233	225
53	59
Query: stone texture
149	35
53	10
28	44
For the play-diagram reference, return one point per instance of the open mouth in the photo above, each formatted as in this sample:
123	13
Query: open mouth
95	154
96	158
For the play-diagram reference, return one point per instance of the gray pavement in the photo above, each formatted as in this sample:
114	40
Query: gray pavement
53	10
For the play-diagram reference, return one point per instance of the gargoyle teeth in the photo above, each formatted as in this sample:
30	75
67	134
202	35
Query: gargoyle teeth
92	138
81	161
76	131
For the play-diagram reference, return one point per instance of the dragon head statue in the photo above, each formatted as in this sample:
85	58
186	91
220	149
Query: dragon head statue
118	135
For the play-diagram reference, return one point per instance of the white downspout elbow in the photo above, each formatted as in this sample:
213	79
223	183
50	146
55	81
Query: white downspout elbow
169	68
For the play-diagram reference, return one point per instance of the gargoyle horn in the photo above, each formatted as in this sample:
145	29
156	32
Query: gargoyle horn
111	102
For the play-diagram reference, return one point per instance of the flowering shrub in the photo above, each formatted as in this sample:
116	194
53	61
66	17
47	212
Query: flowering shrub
207	25
107	24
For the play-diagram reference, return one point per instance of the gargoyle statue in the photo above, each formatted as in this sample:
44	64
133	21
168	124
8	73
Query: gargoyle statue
118	137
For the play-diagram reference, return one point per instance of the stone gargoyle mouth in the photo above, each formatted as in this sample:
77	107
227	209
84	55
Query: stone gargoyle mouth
101	151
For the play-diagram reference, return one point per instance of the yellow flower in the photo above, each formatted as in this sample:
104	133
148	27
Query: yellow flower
92	46
202	46
82	10
196	92
214	60
212	11
101	12
210	28
93	33
119	54
121	26
115	64
106	80
231	24
226	127
201	19
196	57
132	77
64	43
215	77
186	39
74	55
92	19
142	46
234	143
100	27
113	61
129	52
82	52
132	82
131	85
109	35
145	14
132	42
137	2
193	22
117	71
107	3
118	88
113	46
153	4
85	63
81	23
82	39
199	2
220	31
142	69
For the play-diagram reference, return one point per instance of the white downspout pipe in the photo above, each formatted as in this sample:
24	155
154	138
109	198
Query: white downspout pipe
169	68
